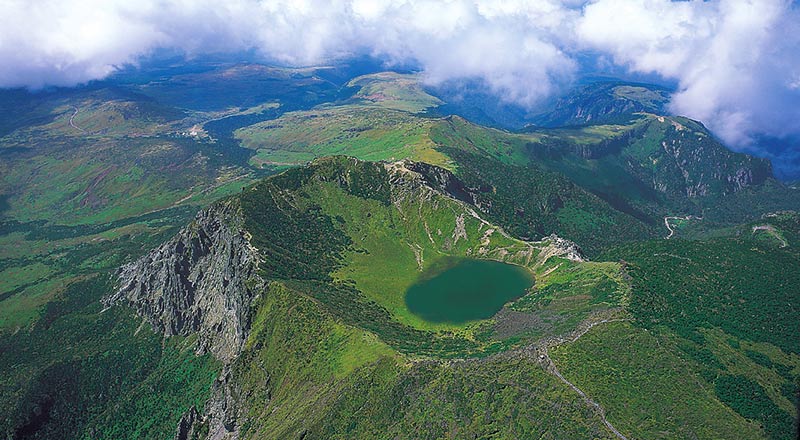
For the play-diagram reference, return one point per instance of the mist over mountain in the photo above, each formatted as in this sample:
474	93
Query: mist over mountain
735	63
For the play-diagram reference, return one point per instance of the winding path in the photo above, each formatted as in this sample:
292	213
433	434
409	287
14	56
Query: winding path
669	227
550	366
769	229
72	121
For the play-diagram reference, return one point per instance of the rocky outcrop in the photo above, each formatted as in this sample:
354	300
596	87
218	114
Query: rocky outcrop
222	416
202	281
424	180
205	280
223	412
556	246
446	182
187	425
696	165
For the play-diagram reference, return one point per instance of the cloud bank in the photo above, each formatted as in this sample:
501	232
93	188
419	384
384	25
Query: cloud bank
736	62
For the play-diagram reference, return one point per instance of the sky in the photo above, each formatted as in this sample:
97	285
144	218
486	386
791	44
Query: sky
736	63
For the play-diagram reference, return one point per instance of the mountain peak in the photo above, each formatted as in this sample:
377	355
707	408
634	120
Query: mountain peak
604	102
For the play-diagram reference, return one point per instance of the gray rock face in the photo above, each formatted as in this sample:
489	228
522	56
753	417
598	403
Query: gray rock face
202	281
445	182
221	416
187	424
696	165
565	248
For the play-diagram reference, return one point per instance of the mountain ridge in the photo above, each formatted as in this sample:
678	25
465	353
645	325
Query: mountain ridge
278	310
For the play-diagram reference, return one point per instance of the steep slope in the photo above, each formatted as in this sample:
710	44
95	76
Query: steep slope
329	352
66	191
85	372
621	179
307	375
604	102
125	157
330	228
531	200
665	166
674	156
310	226
202	281
281	312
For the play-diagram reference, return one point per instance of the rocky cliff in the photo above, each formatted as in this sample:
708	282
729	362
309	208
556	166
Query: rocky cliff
692	162
604	103
201	281
206	279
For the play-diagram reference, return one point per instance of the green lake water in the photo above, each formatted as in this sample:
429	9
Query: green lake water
461	290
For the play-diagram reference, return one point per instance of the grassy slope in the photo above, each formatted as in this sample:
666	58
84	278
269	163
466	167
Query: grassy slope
648	383
366	132
96	378
633	182
375	134
392	245
568	296
77	203
528	198
631	373
429	388
88	191
629	166
728	306
393	90
374	231
297	349
350	361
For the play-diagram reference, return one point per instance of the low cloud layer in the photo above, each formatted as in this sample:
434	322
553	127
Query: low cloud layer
736	62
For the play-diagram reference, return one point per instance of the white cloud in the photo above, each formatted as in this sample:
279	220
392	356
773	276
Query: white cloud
51	42
736	61
512	45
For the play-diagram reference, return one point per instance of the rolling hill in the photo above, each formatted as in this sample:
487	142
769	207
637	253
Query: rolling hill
243	262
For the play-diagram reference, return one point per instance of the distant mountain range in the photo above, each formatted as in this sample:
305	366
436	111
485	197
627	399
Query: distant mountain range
224	251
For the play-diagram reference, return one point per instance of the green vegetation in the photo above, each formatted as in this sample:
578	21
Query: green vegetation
749	399
306	392
564	298
50	257
98	184
360	131
81	198
97	175
98	375
646	388
393	90
702	295
604	102
533	203
342	231
345	341
686	285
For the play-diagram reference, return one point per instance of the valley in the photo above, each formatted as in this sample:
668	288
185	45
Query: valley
324	253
